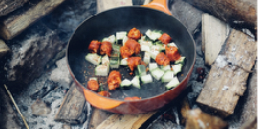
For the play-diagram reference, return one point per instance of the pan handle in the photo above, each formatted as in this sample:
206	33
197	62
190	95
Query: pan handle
159	5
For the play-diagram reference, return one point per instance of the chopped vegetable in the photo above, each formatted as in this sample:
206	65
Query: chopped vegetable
125	39
93	58
181	60
141	70
136	82
172	44
152	66
102	70
115	60
173	83
111	39
124	62
146	57
120	35
146	79
177	68
157	73
105	60
153	35
168	76
126	83
154	51
165	68
116	47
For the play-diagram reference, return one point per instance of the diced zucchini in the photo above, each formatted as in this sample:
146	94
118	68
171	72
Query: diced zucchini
168	76
93	58
146	57
102	70
136	82
93	78
157	73
114	60
153	35
126	83
177	68
116	47
125	39
105	60
173	83
147	43
171	44
141	70
154	51
146	79
152	66
161	46
120	35
124	62
181	60
145	48
165	68
111	39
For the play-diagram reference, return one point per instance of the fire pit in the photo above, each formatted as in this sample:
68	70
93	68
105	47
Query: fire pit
34	69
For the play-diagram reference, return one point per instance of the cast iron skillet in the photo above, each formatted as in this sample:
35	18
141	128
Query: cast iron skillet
154	95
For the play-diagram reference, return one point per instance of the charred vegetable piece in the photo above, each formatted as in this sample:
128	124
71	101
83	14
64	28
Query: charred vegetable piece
162	59
132	98
106	48
134	33
133	62
93	85
114	80
94	46
172	53
126	52
165	38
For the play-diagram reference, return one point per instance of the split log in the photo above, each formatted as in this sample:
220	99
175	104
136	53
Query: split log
73	109
3	48
97	117
227	79
214	34
103	5
7	6
13	24
118	121
241	12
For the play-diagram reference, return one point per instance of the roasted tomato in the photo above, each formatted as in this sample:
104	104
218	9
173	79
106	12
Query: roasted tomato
165	38
162	59
132	98
133	62
104	93
134	33
94	46
172	53
133	45
93	85
126	52
106	48
114	80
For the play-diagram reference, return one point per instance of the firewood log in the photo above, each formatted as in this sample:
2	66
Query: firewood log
241	12
7	6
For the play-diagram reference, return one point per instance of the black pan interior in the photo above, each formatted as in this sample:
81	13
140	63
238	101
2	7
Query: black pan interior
123	19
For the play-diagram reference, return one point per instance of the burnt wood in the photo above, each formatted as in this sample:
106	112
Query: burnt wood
7	6
13	24
240	12
228	76
73	109
3	48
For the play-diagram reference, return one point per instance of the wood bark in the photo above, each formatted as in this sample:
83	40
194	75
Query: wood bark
7	6
73	109
228	76
14	24
241	12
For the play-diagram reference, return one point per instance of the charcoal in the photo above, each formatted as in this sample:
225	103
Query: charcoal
48	86
40	108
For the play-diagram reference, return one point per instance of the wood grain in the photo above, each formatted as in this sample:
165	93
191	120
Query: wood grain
7	6
14	24
228	76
